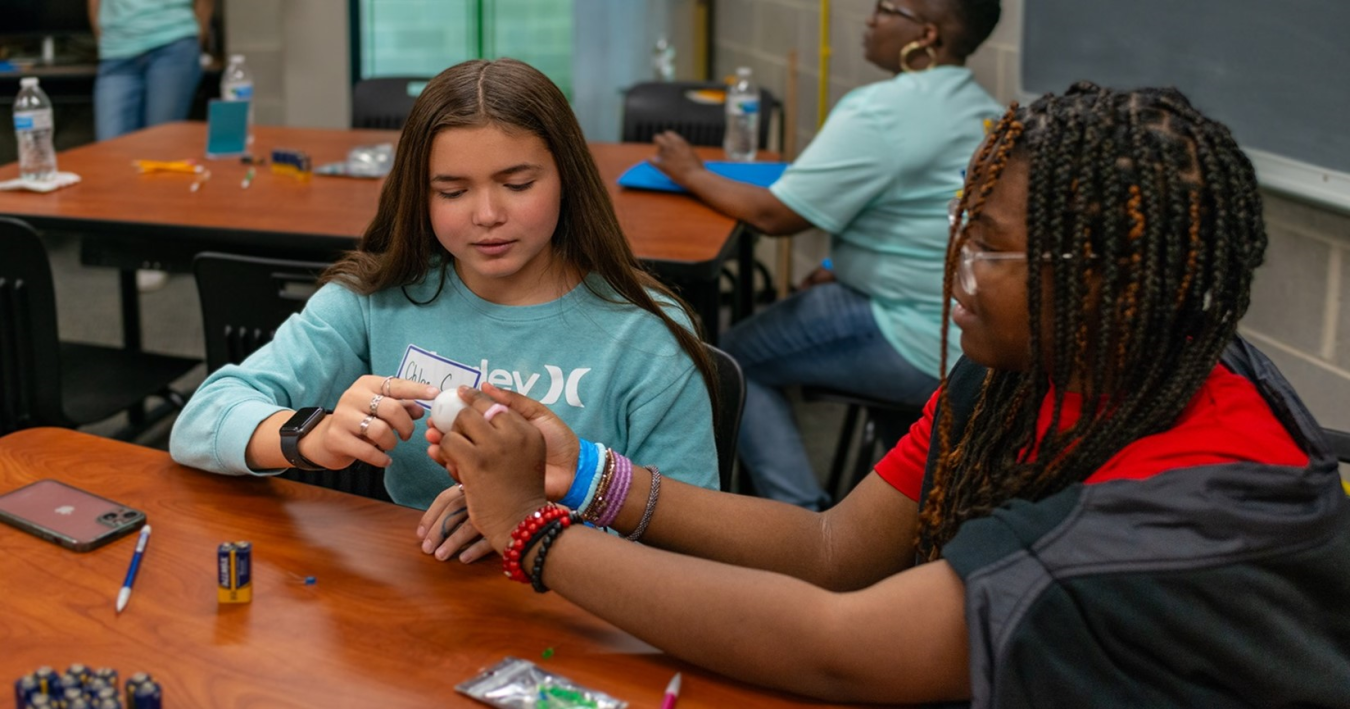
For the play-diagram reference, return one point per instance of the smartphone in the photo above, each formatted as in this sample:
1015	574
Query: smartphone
69	516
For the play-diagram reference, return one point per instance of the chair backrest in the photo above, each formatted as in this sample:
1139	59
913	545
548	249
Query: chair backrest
30	359
730	404
384	103
652	107
246	298
1339	441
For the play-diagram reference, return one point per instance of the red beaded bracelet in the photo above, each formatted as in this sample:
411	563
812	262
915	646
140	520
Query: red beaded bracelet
525	534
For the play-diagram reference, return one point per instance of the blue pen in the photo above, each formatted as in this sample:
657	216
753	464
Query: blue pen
125	594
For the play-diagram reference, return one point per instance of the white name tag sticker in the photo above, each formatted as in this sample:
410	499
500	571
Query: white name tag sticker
420	365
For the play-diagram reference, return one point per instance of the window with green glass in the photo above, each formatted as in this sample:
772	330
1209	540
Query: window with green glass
423	37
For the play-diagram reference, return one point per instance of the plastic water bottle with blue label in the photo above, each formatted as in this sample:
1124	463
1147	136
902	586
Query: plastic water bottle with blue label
742	136
33	127
236	84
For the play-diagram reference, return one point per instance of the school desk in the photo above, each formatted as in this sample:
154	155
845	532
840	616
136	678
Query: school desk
384	625
132	221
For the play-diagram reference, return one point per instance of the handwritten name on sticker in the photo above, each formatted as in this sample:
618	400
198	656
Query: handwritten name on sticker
426	367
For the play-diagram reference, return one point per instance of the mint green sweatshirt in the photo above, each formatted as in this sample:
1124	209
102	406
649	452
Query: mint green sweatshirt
612	372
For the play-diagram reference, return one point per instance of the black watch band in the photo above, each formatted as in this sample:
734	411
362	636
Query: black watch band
295	428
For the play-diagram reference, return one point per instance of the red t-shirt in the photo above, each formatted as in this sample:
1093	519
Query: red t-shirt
1227	421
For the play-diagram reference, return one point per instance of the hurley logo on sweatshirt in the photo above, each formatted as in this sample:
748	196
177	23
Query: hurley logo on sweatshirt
564	386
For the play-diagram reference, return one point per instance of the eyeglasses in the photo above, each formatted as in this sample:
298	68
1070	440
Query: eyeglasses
969	253
884	7
965	265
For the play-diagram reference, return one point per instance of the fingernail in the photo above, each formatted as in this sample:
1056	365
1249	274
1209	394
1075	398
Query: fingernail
432	392
442	554
464	558
421	531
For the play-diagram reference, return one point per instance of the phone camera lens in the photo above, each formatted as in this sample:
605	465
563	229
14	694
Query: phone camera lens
108	516
128	514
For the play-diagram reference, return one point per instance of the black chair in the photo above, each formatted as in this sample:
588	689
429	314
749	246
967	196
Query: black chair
652	107
384	103
1339	442
883	423
730	404
46	382
244	300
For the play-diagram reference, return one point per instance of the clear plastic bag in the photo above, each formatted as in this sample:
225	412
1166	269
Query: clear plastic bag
520	684
370	160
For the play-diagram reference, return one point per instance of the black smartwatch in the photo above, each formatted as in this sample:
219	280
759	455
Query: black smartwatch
294	429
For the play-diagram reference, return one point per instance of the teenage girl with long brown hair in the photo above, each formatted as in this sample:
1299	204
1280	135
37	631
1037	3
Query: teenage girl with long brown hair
496	256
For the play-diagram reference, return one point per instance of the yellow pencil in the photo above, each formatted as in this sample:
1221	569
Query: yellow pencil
164	166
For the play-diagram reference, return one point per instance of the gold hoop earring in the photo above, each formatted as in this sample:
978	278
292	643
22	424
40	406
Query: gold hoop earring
911	48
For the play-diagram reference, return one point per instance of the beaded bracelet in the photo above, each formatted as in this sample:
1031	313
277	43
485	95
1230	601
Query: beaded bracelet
537	572
651	506
618	492
523	535
599	495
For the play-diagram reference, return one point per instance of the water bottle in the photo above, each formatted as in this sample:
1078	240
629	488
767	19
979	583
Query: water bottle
742	136
236	84
33	127
663	60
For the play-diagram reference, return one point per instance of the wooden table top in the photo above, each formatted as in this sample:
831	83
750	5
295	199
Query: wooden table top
113	197
384	626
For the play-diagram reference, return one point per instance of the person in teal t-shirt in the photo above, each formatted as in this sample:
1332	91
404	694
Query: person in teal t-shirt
149	64
877	177
495	257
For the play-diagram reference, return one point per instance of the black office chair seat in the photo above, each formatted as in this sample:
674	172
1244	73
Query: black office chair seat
97	382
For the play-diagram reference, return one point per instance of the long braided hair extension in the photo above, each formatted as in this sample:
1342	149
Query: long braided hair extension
1158	212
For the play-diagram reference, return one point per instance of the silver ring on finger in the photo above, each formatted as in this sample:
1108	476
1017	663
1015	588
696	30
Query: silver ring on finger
384	388
375	404
365	424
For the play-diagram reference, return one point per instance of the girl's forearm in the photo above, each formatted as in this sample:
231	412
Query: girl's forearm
889	643
841	549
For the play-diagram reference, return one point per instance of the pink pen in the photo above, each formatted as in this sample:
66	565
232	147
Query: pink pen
672	693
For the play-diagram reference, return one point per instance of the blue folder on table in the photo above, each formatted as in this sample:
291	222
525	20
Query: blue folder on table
645	176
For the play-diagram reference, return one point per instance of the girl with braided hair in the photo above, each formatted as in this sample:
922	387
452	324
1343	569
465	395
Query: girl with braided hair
1112	500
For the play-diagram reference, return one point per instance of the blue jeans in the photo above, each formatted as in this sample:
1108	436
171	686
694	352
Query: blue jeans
823	336
147	89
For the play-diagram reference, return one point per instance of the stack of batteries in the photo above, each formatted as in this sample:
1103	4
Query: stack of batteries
83	688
